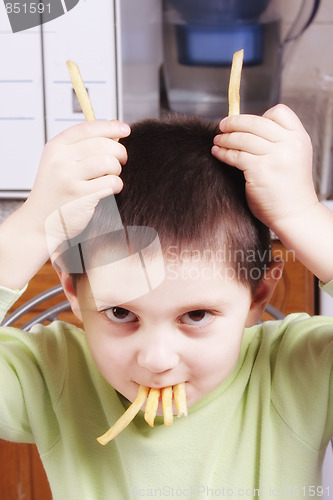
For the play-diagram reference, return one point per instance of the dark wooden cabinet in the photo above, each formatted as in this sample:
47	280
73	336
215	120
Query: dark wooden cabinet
22	475
296	290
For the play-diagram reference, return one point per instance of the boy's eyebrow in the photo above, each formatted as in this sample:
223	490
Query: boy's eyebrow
205	304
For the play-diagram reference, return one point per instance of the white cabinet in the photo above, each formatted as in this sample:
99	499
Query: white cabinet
21	105
118	48
85	35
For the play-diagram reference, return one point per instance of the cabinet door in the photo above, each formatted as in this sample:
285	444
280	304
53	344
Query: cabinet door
21	106
85	35
22	474
295	291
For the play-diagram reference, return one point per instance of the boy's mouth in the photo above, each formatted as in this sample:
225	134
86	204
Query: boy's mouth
157	387
171	395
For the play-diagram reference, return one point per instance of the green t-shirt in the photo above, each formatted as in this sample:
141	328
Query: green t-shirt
262	433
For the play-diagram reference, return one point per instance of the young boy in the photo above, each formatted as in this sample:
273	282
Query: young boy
170	278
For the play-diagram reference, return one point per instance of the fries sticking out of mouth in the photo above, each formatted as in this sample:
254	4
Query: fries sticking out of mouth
167	406
127	417
80	91
180	399
152	396
151	406
234	83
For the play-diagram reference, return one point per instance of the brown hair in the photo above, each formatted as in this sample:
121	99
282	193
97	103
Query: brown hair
173	184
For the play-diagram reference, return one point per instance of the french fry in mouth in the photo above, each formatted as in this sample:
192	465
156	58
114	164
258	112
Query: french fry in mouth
152	396
127	417
151	406
234	83
167	406
180	399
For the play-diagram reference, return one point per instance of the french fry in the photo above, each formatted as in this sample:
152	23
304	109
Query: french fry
154	394
151	406
234	83
81	91
127	417
180	399
178	391
167	406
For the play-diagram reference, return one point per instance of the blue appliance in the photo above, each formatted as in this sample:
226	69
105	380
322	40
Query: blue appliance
200	38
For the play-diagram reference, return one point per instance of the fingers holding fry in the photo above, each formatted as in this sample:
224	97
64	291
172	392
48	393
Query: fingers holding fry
234	83
81	91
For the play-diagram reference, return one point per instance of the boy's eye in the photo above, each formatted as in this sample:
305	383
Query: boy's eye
120	315
199	317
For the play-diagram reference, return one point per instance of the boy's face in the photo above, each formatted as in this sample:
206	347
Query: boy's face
187	329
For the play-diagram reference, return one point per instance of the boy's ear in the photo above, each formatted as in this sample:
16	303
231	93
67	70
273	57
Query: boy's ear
70	290
264	292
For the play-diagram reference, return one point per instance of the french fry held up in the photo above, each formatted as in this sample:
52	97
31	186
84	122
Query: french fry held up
151	408
80	91
234	83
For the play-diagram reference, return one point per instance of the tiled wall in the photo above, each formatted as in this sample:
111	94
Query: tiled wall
311	63
307	86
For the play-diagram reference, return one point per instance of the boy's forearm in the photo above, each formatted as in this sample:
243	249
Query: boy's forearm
310	236
23	249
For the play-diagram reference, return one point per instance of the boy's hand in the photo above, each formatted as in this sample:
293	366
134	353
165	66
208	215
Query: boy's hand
275	154
78	167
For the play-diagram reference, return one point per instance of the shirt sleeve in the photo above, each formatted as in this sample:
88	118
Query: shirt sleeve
8	298
327	287
302	382
32	371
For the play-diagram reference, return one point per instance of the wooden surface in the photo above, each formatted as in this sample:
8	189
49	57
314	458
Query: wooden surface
46	278
296	289
22	475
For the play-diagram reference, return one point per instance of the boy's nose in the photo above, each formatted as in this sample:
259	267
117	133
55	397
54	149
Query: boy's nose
157	355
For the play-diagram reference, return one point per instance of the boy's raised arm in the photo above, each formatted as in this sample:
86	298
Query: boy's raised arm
78	168
275	153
